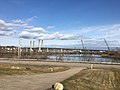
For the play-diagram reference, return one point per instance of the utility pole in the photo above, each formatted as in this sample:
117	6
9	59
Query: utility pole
19	48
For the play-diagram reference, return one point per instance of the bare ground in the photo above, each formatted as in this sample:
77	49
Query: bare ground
94	79
35	82
42	81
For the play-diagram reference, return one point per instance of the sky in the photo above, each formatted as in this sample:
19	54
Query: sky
60	22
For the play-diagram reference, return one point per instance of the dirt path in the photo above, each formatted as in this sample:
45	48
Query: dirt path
35	82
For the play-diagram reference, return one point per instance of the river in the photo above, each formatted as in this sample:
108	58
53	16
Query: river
83	58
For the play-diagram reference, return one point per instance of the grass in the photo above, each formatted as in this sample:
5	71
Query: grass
94	79
7	69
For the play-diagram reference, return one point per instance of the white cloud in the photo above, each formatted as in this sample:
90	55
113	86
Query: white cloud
93	33
28	27
11	32
6	29
4	33
69	37
99	42
36	29
30	19
50	36
2	22
105	31
56	35
18	21
28	35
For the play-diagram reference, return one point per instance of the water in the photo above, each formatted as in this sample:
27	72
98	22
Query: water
83	58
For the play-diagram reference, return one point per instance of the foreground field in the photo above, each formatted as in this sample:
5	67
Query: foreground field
19	69
94	79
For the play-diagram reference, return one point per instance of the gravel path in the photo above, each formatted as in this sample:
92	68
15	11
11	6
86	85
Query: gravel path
35	82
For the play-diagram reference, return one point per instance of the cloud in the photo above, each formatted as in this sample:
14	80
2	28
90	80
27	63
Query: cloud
50	27
27	26
99	42
53	36
104	31
3	24
44	36
69	37
28	35
30	19
18	21
92	36
36	29
4	33
7	29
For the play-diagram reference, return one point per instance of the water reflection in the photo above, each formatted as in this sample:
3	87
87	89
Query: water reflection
82	58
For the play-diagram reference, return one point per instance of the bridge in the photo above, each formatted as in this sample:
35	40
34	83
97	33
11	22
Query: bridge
14	52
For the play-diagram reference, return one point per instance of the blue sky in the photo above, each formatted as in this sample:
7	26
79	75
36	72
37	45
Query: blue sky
60	22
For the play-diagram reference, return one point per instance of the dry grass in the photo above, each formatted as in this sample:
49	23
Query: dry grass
7	69
94	79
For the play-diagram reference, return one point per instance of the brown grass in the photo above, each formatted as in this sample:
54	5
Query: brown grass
94	79
6	69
